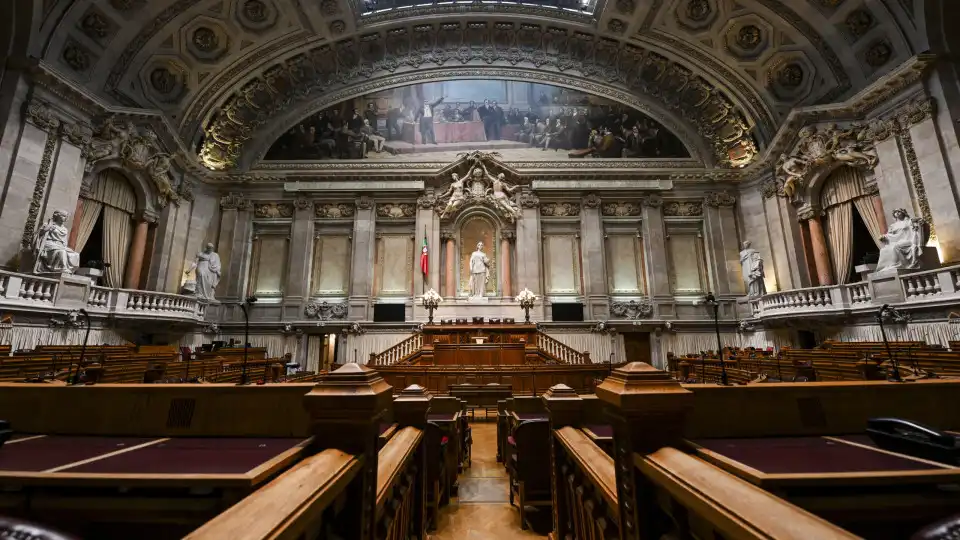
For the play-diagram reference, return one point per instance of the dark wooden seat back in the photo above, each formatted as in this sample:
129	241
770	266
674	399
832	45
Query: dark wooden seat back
444	405
528	405
533	468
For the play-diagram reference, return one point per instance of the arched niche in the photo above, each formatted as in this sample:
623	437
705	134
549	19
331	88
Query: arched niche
474	225
142	186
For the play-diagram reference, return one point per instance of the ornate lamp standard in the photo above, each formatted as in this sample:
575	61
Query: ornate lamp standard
526	298
431	301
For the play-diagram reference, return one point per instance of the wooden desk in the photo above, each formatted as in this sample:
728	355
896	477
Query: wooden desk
844	479
479	354
481	395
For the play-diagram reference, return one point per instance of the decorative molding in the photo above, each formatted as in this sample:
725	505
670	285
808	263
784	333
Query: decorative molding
559	209
806	213
39	188
396	210
235	201
447	234
633	309
273	210
905	141
427	201
718	199
621	209
592	200
529	200
916	111
41	115
683	208
301	203
653	201
333	210
508	235
818	149
479	187
364	203
325	311
78	135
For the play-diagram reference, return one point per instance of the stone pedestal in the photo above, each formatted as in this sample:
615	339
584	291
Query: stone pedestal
885	286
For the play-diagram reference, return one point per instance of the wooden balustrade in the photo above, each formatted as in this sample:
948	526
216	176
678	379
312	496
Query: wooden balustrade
589	486
559	351
399	353
397	484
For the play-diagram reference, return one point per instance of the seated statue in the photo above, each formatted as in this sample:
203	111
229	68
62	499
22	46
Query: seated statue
902	245
50	245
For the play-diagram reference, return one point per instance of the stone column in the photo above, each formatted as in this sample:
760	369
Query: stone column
26	179
596	294
362	265
505	255
529	244
297	288
169	246
655	243
345	411
818	244
234	245
77	216
449	265
138	247
647	410
721	228
808	262
878	208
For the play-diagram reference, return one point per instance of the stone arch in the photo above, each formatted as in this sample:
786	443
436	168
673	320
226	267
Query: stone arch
241	123
142	186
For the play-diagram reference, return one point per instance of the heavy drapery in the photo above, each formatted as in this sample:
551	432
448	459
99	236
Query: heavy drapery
839	232
844	190
116	243
112	189
89	213
868	213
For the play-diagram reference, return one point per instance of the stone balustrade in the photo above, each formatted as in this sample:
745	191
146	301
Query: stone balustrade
902	290
67	293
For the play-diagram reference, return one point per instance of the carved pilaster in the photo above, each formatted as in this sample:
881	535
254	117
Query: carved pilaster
721	199
235	201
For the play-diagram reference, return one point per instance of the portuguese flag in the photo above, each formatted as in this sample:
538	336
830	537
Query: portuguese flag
424	259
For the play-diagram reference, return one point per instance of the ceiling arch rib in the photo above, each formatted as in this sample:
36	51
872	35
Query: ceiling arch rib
572	58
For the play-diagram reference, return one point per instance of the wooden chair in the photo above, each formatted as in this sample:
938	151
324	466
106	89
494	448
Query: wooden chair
436	486
529	470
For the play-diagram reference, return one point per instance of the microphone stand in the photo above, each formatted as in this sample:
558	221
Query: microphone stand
83	350
883	334
246	336
703	367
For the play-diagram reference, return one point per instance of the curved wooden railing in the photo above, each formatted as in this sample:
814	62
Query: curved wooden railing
292	506
588	494
399	352
559	351
397	472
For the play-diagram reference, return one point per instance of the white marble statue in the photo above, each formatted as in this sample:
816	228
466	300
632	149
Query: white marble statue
501	197
752	265
902	245
457	197
208	270
479	271
50	245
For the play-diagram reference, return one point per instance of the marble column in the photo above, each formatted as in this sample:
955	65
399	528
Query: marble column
138	247
297	288
529	244
75	227
234	247
818	244
364	249
808	262
449	266
505	255
723	243
595	294
881	214
167	254
655	244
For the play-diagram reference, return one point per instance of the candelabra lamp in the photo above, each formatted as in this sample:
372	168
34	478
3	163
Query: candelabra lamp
431	301
526	298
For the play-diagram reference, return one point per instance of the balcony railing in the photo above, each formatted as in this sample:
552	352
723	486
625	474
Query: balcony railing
918	288
69	293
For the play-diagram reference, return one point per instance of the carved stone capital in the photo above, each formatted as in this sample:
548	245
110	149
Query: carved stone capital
78	135
719	199
916	111
427	201
447	234
806	213
529	200
768	188
185	189
592	200
364	203
301	203
620	209
41	115
147	215
333	210
653	201
235	201
508	234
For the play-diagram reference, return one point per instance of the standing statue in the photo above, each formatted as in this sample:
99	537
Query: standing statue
50	245
501	198
752	265
207	266
479	271
902	245
455	192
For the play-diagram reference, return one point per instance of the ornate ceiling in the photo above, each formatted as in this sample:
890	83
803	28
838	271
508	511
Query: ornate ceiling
234	74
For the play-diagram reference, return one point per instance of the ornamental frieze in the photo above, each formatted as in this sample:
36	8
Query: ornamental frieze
396	210
719	199
330	73
333	211
559	209
682	208
273	210
620	209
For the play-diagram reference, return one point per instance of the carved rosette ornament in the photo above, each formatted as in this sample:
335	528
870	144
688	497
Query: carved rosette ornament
632	310
333	210
324	310
40	115
621	209
719	199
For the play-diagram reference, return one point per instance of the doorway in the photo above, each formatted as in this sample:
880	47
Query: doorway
636	345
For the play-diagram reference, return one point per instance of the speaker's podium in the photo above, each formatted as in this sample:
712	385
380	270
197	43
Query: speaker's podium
478	344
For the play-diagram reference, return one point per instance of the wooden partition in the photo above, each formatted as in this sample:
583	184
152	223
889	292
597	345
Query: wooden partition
525	379
473	354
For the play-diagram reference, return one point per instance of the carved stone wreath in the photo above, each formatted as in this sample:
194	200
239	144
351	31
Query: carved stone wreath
324	310
333	211
330	73
632	310
620	209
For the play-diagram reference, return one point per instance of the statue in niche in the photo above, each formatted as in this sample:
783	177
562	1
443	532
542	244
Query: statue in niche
207	266
479	271
902	246
457	197
752	265
50	245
